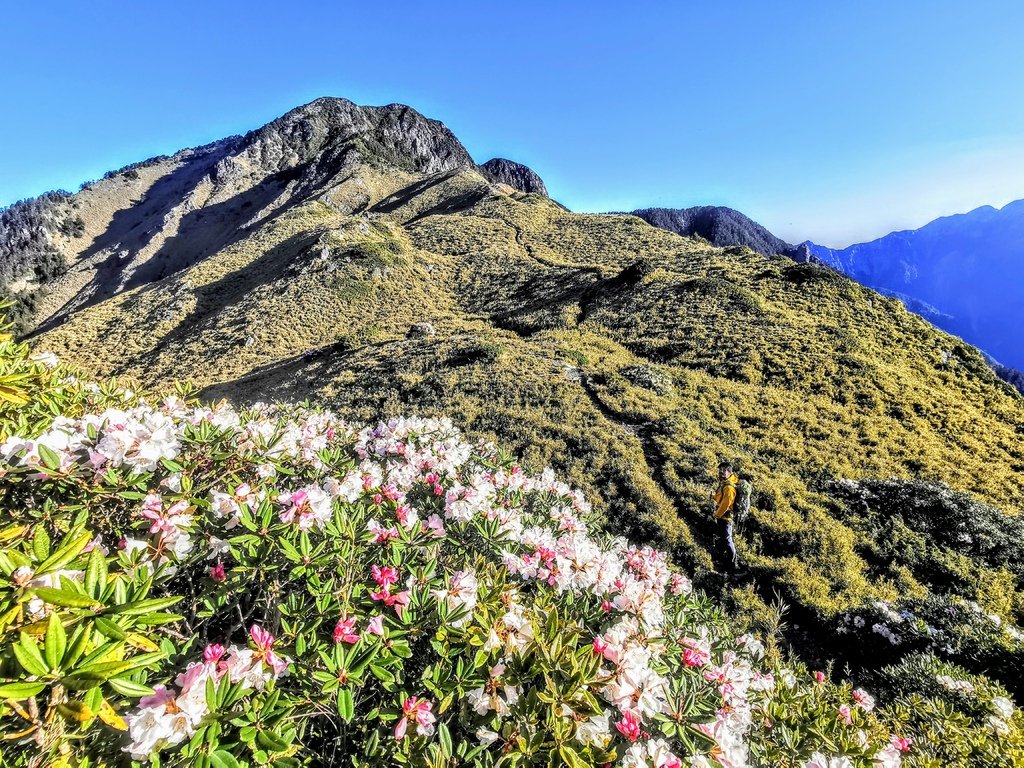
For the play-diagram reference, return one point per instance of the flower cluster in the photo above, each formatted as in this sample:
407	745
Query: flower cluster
416	575
168	716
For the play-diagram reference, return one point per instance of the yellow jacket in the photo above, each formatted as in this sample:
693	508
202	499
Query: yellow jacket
725	497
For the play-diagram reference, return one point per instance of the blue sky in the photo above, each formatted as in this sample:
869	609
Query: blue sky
832	121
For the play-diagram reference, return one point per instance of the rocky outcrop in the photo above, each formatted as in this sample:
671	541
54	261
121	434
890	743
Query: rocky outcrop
718	225
199	200
516	175
319	139
802	254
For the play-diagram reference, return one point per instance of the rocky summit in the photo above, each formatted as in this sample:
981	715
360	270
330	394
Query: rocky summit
516	175
720	226
358	258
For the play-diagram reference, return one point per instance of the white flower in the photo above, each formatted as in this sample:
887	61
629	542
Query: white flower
890	757
818	760
1003	707
864	700
487	736
47	359
461	593
998	725
159	723
595	731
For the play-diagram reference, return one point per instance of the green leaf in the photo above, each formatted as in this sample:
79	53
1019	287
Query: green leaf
28	655
79	640
96	573
68	552
56	642
129	688
153	619
571	758
445	739
40	543
140	607
101	652
271	741
110	629
94	699
107	668
222	759
49	457
20	690
346	706
79	682
64	598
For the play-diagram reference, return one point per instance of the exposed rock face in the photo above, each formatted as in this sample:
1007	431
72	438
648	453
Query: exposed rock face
718	225
802	254
318	140
200	200
516	175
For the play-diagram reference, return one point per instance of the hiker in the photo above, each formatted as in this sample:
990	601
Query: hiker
725	501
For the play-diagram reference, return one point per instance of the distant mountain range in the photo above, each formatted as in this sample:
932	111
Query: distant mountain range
969	267
963	273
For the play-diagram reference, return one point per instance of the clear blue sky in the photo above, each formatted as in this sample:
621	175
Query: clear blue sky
835	121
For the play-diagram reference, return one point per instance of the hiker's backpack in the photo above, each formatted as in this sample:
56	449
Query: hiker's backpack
741	508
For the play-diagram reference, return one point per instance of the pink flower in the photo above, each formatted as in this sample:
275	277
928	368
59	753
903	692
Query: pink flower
629	726
607	605
436	526
399	600
264	642
345	632
262	639
819	677
416	710
846	714
217	573
298	502
600	646
694	657
381	535
405	515
213	653
864	700
903	745
160	698
385	576
376	626
679	584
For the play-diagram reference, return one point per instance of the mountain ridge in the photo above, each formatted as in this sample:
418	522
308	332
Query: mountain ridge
381	279
720	226
967	265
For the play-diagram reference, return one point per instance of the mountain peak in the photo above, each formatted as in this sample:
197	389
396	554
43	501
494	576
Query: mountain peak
717	224
516	175
325	131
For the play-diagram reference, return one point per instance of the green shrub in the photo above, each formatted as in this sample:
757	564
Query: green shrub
392	595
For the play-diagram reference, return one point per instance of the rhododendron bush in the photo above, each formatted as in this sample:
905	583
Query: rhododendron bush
192	585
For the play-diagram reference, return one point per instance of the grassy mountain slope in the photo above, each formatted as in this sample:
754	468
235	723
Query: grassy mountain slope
627	357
